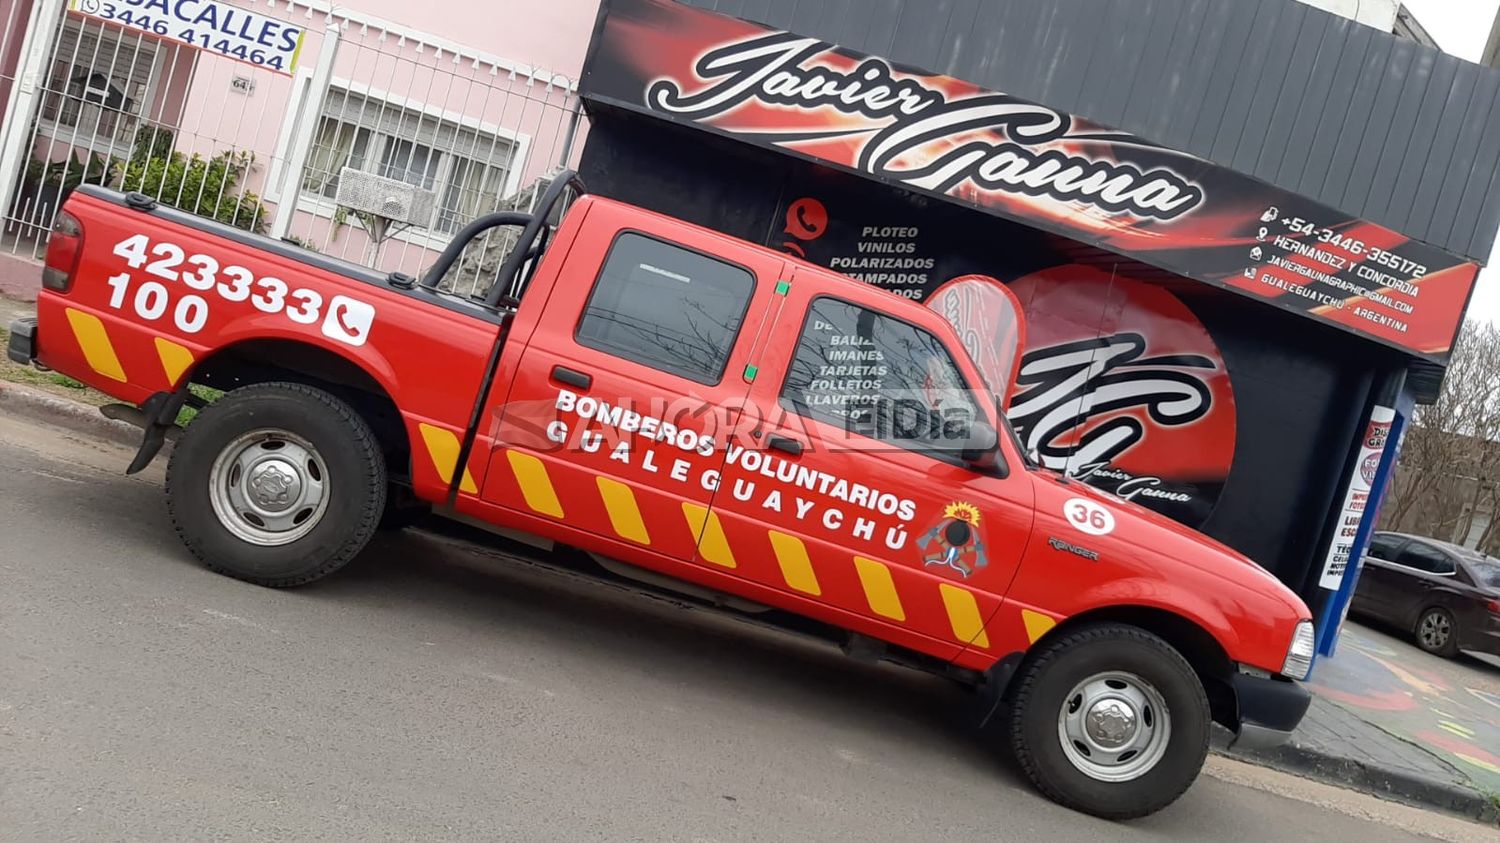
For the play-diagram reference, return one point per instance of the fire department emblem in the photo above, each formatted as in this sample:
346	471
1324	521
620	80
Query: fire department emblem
954	542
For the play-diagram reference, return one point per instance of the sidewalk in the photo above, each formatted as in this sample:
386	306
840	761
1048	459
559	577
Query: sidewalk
1391	720
20	278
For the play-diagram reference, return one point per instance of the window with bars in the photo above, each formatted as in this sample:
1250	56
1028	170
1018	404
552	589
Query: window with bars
466	168
99	83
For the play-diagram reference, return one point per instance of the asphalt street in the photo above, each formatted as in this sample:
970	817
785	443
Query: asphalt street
431	692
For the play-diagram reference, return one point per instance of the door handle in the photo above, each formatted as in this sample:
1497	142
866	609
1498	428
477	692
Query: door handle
571	377
782	443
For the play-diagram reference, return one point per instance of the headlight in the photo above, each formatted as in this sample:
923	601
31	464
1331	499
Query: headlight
1299	656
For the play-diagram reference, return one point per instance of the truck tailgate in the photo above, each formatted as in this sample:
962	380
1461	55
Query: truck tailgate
160	294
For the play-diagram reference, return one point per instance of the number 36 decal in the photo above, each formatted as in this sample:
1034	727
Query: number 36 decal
1089	517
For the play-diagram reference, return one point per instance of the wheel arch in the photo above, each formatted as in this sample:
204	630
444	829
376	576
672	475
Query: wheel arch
267	360
1197	645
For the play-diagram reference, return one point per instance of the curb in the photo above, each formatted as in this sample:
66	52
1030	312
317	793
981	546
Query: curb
33	404
1389	782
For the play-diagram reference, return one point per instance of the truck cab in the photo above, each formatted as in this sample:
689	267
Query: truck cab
698	413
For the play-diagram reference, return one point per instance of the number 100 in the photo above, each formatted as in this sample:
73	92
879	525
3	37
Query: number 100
151	300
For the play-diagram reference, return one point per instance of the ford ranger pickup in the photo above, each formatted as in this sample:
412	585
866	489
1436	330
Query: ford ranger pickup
695	412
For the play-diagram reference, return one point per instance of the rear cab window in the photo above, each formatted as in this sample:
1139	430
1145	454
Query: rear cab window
667	307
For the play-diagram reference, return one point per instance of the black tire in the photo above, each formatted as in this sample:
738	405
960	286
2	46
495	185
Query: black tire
355	485
1445	645
1043	686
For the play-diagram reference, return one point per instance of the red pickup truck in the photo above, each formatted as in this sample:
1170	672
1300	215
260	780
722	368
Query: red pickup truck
695	412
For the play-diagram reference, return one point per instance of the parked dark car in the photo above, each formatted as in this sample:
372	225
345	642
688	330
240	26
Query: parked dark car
1448	596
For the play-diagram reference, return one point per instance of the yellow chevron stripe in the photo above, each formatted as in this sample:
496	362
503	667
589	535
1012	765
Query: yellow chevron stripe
709	534
963	615
94	341
443	447
1037	624
624	514
880	589
175	359
796	568
536	486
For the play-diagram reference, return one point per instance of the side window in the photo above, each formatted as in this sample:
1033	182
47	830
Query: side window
1425	558
1384	547
666	307
877	376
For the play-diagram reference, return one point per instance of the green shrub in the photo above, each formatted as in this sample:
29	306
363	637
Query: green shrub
72	171
202	186
151	143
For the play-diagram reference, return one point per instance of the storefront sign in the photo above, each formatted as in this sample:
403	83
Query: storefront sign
210	25
948	138
1122	387
1356	496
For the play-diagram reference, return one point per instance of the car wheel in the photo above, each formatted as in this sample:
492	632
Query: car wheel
1110	720
1437	632
278	484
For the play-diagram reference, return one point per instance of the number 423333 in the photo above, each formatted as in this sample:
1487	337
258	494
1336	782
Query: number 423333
203	275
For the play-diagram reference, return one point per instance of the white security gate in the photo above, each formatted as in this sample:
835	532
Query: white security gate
259	139
94	101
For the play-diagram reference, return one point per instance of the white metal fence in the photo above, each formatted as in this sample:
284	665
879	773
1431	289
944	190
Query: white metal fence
91	102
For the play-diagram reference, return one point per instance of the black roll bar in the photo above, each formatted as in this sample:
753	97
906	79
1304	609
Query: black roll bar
461	240
560	184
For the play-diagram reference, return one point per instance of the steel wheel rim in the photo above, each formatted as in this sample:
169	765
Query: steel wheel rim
1114	726
1435	629
269	487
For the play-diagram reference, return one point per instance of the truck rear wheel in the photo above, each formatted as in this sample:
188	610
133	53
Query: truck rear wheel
1110	720
278	484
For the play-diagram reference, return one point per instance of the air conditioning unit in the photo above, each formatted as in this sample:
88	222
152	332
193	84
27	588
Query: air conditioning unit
390	199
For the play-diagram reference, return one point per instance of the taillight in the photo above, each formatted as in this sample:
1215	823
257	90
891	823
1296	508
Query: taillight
1493	605
64	249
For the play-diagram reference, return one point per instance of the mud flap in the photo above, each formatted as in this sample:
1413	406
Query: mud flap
160	412
990	695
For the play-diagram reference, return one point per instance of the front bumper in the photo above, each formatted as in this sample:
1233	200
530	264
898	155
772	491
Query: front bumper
1269	710
22	347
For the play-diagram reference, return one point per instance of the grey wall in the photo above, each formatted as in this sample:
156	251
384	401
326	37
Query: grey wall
1358	119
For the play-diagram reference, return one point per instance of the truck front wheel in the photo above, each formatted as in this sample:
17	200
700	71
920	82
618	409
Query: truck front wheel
1110	720
278	484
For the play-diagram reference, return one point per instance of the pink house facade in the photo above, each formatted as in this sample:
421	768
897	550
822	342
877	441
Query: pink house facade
469	104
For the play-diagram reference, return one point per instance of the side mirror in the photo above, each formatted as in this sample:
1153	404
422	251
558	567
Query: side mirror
981	443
